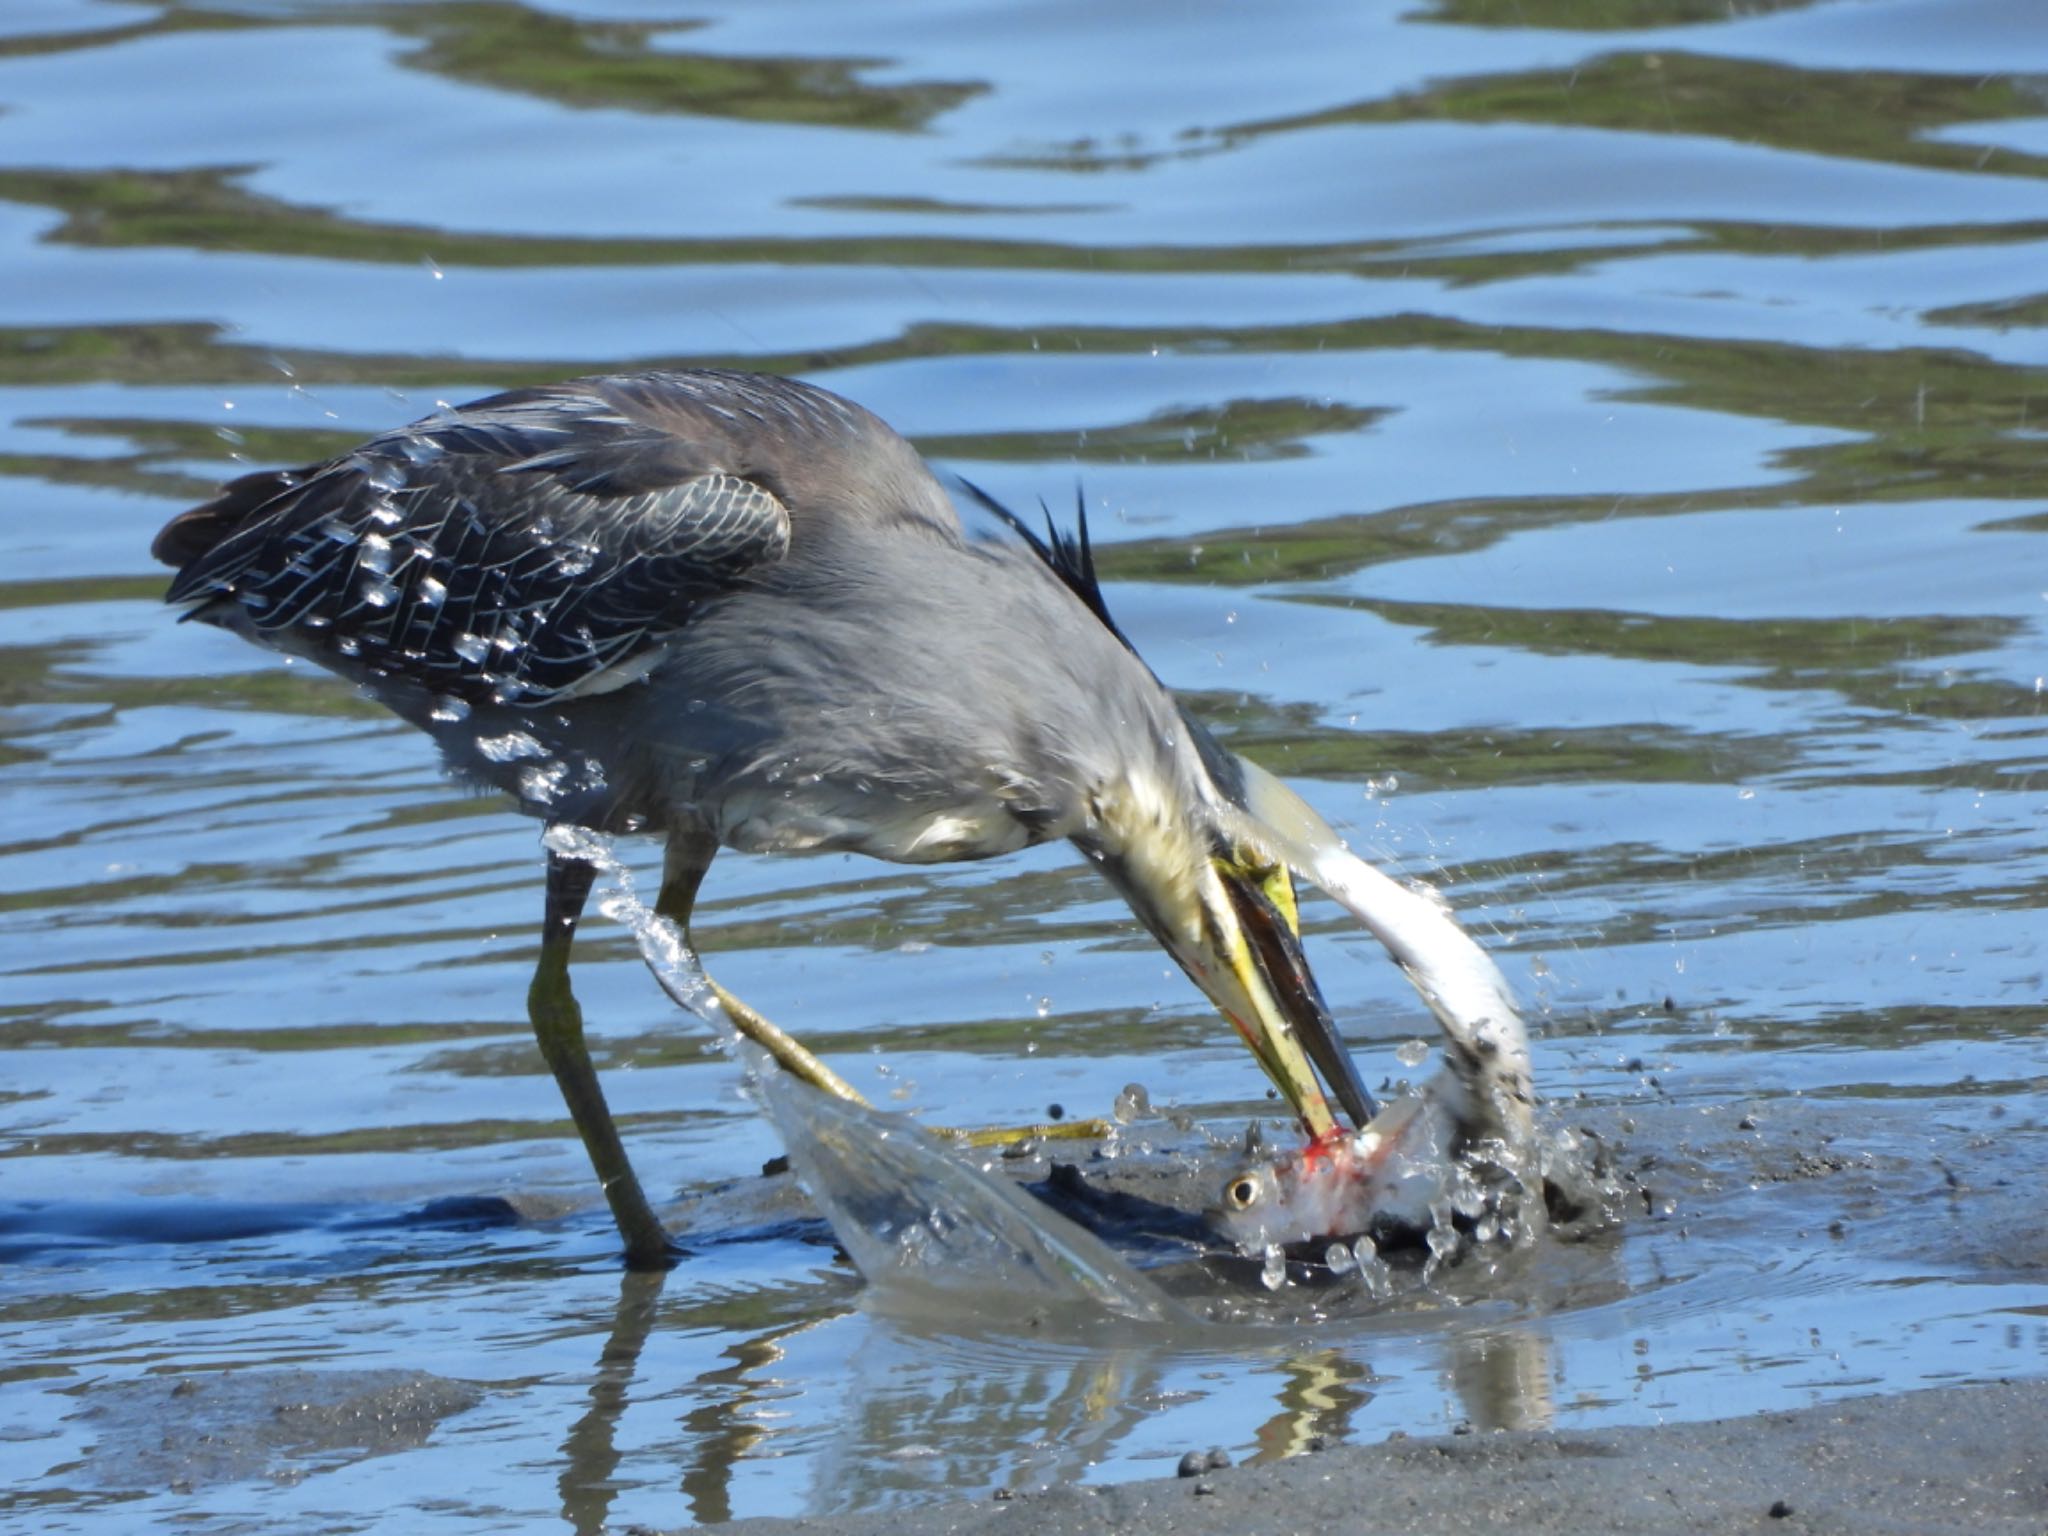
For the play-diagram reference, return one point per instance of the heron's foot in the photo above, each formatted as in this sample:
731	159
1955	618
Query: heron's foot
790	1053
796	1059
653	1252
1024	1135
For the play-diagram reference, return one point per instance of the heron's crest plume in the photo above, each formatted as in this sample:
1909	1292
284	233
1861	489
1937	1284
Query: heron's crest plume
1069	556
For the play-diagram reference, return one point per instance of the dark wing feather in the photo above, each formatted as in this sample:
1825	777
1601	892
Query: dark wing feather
526	548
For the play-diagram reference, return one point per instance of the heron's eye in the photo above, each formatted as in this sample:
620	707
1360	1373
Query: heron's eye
1243	1194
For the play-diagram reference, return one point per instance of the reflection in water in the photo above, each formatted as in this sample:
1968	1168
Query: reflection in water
582	62
968	1413
1849	114
923	1411
923	1414
725	1426
1502	1378
624	65
1320	1393
590	1455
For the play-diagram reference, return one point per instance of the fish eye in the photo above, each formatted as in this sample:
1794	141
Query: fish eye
1243	1193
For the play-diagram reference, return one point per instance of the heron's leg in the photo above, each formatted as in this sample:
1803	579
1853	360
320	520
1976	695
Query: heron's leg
558	1026
688	855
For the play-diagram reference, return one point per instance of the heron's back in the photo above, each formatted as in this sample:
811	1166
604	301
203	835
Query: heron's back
720	596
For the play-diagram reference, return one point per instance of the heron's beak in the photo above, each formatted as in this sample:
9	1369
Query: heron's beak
1229	919
1251	964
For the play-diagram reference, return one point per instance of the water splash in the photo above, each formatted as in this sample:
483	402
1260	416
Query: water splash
926	1224
923	1220
511	746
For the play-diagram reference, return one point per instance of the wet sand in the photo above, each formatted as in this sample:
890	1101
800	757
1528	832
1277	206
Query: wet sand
1945	1460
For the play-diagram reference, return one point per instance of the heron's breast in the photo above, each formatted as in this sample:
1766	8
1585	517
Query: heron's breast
827	815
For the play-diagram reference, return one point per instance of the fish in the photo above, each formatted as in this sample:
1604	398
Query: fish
1462	1145
1381	1180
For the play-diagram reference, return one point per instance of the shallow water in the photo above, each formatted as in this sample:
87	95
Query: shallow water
1600	465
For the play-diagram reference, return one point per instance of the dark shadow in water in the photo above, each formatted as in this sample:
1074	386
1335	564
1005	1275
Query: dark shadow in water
45	1229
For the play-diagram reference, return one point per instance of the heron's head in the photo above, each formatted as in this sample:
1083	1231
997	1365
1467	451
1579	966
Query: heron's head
1147	793
1192	865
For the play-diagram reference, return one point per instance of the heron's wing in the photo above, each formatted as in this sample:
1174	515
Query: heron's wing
530	547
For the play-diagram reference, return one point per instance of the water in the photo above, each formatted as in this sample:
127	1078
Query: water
1601	467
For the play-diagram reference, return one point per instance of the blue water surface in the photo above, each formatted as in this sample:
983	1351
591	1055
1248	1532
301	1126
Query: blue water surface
1594	449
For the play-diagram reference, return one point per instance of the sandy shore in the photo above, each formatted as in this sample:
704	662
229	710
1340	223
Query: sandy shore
1947	1460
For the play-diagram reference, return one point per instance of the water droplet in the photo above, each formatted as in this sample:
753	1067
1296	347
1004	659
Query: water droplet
1045	1007
448	708
1372	1269
511	745
472	648
383	472
542	782
1338	1257
1412	1053
377	592
1273	1273
1133	1103
432	593
348	645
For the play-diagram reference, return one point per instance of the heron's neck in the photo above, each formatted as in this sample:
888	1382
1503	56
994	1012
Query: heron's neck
1137	826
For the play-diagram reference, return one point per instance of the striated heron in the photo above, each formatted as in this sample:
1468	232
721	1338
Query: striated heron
725	609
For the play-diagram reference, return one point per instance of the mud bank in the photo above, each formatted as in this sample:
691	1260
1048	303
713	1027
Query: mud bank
1947	1459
